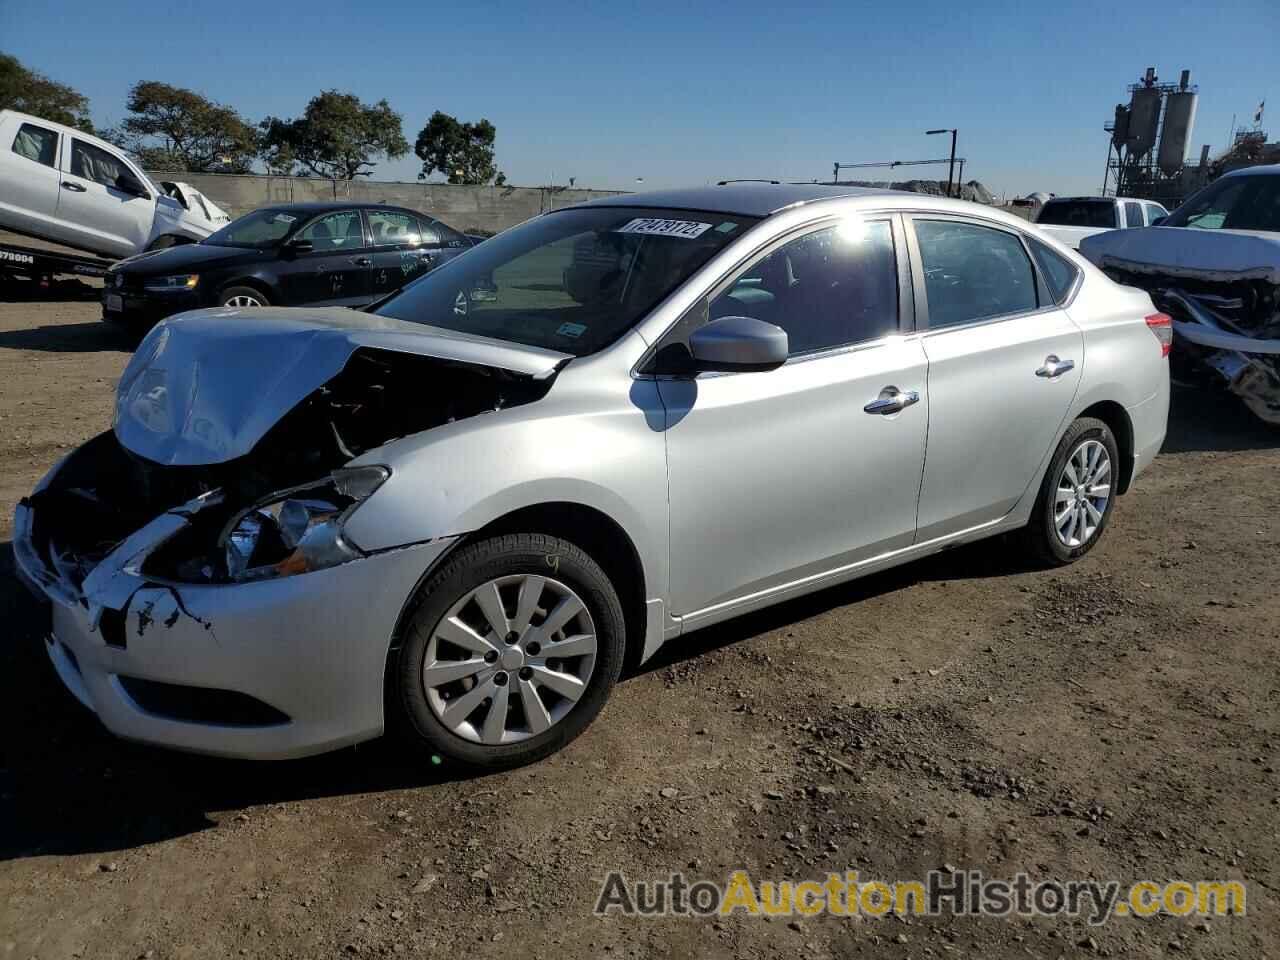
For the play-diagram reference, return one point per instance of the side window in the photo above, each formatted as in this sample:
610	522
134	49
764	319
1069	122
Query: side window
36	143
1059	273
430	232
94	163
337	231
1133	215
973	272
449	236
390	227
830	288
1154	210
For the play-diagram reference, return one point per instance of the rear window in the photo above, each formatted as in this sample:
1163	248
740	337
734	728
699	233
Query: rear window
1078	213
36	143
1059	273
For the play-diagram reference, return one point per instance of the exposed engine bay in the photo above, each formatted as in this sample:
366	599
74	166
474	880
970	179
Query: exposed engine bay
1227	328
278	509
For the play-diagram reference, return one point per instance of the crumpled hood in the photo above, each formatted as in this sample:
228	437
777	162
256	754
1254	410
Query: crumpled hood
204	387
1214	255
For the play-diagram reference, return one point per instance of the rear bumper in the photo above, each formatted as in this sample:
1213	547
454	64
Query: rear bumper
1150	421
312	647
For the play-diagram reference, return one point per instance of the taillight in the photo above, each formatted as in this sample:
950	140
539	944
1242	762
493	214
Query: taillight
1161	324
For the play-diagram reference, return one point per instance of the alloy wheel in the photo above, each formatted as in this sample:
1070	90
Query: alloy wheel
1083	491
242	300
509	659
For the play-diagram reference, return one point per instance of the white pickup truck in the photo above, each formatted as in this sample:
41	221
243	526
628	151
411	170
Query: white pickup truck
1071	219
65	186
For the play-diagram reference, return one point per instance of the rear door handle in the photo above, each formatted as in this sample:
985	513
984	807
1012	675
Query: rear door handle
1053	367
892	400
363	262
69	185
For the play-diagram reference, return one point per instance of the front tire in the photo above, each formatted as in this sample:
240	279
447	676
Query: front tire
243	297
1076	496
510	652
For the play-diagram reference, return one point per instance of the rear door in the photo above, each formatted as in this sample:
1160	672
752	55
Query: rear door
337	268
92	207
29	178
397	249
1004	364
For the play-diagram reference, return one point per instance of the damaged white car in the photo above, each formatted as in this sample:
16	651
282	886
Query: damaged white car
614	424
1214	266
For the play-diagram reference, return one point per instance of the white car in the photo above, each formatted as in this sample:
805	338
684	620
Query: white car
462	515
64	185
196	203
1070	219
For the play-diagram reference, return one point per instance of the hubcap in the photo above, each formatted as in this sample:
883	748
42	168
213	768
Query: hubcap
1082	494
510	659
242	300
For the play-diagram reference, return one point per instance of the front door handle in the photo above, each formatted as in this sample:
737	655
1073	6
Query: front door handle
892	400
362	262
70	185
1053	367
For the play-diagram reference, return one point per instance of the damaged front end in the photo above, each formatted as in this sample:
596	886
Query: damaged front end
1222	290
172	547
277	510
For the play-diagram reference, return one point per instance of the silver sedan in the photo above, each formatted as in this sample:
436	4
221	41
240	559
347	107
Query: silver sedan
461	514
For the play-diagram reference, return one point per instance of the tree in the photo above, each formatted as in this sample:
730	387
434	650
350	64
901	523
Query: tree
463	152
30	92
176	129
335	138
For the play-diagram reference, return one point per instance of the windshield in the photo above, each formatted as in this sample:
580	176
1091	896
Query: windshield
1078	213
1233	203
260	229
572	281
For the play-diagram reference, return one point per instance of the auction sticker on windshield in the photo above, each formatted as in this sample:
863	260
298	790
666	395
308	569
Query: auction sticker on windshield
688	229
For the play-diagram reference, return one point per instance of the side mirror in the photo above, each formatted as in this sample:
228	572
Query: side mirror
295	247
1158	221
739	344
128	183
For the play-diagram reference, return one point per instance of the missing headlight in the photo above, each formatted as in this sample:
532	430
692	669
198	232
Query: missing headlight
299	530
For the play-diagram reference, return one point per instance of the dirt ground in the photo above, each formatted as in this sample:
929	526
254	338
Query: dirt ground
1115	719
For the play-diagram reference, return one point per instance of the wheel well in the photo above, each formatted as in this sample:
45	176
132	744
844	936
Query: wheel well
251	282
1117	418
603	539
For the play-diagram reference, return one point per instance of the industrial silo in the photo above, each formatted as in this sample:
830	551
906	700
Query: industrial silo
1144	118
1179	117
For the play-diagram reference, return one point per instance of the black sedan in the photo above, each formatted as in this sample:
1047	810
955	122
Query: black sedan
302	253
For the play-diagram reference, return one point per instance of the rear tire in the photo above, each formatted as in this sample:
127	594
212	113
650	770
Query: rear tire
1074	505
243	297
511	716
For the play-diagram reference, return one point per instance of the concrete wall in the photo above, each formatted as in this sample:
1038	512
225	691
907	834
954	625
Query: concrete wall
469	209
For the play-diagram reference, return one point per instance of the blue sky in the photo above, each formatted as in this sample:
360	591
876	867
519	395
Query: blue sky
681	93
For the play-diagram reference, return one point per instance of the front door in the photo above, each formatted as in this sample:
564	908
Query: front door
93	211
337	268
781	477
1004	364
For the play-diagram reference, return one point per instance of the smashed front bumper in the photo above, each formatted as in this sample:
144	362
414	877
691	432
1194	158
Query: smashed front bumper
266	669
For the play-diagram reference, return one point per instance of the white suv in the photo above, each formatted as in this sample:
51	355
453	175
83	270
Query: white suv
64	185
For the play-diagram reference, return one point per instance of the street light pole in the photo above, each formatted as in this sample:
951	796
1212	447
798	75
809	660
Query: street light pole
951	170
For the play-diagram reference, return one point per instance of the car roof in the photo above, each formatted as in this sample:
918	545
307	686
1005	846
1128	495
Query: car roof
744	198
323	206
1269	169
